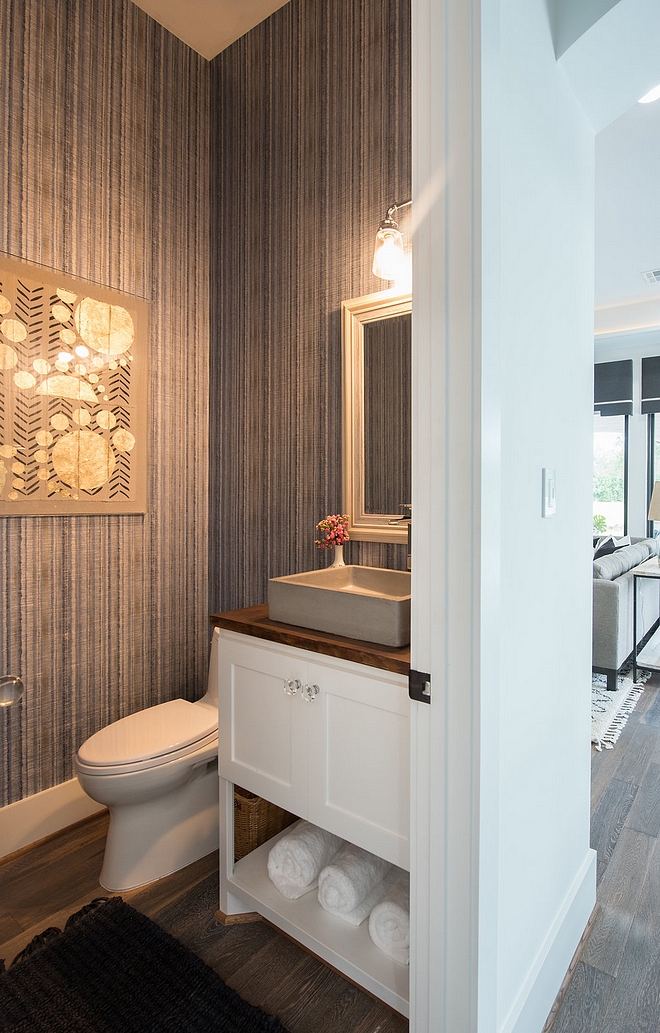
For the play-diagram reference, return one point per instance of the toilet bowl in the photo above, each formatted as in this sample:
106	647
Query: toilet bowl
157	773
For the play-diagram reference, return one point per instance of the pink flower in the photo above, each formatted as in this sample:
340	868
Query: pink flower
335	531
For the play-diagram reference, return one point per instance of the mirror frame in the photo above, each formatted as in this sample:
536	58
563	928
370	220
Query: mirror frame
355	314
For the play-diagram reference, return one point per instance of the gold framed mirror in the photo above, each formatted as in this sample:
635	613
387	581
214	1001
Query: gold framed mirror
376	373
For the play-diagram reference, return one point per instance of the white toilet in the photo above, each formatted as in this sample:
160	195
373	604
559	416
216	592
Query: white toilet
157	772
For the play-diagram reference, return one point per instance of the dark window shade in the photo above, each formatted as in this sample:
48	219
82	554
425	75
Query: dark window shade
613	386
651	384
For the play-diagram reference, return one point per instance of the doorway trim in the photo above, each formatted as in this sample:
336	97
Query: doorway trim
446	626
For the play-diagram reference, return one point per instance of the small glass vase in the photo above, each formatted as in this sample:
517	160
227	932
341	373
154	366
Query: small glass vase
338	556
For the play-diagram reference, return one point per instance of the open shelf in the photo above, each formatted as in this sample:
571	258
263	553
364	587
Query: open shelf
348	949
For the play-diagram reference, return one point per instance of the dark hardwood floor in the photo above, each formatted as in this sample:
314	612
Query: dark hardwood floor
615	983
43	885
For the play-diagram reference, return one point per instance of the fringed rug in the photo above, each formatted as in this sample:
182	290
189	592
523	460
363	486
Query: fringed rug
114	971
611	710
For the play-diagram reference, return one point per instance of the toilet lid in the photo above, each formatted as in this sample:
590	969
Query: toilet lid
162	729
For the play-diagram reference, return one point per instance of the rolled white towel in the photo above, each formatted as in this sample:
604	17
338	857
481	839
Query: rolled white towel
389	922
351	877
364	908
295	861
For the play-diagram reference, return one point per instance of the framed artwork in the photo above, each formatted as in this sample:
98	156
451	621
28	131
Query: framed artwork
73	395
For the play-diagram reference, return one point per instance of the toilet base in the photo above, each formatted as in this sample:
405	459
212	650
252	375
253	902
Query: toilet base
156	837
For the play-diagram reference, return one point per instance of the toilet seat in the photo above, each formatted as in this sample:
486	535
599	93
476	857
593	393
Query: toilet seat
149	738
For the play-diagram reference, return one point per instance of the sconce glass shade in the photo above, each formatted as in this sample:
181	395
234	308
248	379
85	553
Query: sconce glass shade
389	256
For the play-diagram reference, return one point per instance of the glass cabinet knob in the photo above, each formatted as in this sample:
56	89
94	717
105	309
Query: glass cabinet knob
292	685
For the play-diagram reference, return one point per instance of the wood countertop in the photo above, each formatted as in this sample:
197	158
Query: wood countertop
253	620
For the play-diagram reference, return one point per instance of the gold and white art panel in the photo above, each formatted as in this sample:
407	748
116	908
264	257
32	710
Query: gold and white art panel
73	395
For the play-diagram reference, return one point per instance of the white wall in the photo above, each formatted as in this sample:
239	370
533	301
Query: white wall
503	880
542	256
635	346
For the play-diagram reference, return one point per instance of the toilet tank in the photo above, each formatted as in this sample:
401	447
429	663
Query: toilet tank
210	698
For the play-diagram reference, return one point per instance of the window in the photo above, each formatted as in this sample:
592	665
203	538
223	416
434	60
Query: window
652	468
651	406
611	474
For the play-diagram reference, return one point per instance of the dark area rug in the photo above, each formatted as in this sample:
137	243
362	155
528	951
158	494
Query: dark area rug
111	970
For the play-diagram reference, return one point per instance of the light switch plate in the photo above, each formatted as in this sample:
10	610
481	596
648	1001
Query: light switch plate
549	492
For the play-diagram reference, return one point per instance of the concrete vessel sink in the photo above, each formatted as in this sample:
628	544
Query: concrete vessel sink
367	603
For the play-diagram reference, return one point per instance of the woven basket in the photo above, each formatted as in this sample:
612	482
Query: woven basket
255	821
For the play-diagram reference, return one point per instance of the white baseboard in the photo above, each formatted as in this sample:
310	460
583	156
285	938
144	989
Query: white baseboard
28	820
546	974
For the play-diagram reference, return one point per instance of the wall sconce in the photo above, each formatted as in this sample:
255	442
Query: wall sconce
389	256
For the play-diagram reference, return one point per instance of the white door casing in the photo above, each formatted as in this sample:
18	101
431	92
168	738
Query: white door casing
446	505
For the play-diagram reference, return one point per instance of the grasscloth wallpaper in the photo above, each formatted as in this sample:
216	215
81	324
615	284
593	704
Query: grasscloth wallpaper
104	132
310	144
130	161
387	436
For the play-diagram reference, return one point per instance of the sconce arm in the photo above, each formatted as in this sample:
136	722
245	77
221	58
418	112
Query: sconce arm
394	208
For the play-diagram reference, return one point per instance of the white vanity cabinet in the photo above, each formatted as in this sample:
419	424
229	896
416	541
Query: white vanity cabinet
327	739
262	729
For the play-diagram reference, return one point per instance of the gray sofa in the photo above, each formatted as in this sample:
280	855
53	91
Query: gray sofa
613	606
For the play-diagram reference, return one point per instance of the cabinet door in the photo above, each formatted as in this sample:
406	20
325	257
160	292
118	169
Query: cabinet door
262	735
359	757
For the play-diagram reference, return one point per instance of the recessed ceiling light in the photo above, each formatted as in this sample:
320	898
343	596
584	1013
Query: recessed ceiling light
652	95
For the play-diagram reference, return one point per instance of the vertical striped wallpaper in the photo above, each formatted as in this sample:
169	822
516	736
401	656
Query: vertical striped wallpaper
104	128
104	131
387	363
310	145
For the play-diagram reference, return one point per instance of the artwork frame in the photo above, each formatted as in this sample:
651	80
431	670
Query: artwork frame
73	395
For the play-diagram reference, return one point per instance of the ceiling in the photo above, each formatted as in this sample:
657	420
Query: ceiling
608	67
627	232
208	26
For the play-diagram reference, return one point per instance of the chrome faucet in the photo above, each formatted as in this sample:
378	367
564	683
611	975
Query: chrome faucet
405	518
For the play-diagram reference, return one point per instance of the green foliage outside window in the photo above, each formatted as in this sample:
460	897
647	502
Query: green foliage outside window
608	488
608	475
608	468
